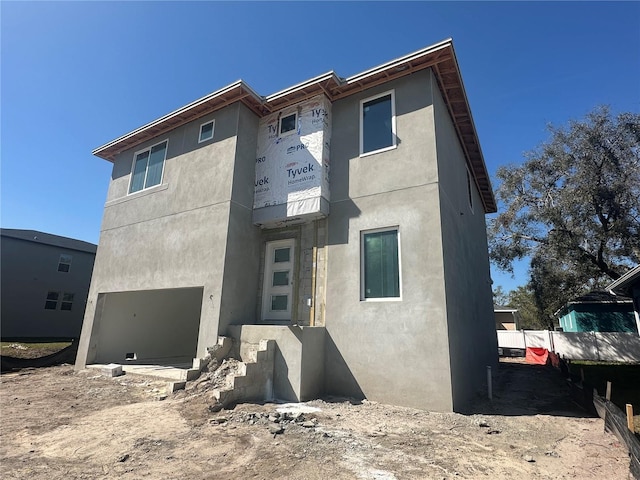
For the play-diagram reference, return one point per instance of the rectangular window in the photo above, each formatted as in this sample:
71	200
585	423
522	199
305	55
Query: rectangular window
67	301
378	123
147	168
288	124
51	303
380	269
206	131
64	264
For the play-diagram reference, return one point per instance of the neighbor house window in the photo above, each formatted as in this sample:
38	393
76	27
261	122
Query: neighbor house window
288	124
51	303
206	131
380	269
378	123
67	301
64	264
147	167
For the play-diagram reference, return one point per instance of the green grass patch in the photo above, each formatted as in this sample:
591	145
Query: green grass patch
31	349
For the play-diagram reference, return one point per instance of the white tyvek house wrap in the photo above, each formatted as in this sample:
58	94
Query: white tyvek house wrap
293	169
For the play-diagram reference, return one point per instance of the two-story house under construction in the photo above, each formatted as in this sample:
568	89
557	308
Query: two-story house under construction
341	217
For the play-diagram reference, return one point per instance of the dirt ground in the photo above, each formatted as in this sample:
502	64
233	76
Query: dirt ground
61	424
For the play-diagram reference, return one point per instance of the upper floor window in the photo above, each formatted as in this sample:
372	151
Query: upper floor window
378	123
206	131
64	264
148	165
288	124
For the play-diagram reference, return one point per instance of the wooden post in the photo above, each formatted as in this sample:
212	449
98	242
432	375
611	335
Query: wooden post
630	417
314	266
608	394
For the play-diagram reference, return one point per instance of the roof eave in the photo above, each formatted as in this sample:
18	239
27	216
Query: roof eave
617	287
435	56
112	148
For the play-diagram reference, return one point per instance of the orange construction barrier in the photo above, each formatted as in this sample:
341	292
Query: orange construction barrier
537	355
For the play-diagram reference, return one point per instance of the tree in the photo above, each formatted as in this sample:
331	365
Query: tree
500	297
573	208
531	317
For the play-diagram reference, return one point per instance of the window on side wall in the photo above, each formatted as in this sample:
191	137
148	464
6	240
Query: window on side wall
67	301
148	165
380	264
378	123
51	303
206	131
64	264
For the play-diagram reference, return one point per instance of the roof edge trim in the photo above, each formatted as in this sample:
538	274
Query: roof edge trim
390	64
616	284
206	98
330	75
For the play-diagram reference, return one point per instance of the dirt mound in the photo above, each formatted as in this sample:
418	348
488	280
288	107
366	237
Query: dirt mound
66	355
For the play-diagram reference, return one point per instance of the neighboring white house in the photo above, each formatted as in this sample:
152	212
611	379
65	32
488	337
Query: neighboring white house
507	318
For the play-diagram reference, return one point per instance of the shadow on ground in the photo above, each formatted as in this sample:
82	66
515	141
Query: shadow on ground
523	389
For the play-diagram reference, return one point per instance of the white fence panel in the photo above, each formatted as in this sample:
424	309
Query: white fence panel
575	345
537	338
609	347
510	339
618	347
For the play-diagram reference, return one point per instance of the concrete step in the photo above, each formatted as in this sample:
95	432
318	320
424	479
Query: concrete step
254	381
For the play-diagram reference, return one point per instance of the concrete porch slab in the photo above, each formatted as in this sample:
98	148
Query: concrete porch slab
175	373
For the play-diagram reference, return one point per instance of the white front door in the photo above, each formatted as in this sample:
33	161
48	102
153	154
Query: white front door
277	293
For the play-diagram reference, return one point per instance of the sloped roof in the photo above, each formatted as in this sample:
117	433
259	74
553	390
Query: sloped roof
599	296
49	239
440	58
622	286
500	308
593	297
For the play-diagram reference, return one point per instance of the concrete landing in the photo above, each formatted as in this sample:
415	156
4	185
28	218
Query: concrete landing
174	373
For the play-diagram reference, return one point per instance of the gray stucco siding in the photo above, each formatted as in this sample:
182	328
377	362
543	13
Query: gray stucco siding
369	340
193	179
471	325
174	235
177	251
245	164
412	163
241	268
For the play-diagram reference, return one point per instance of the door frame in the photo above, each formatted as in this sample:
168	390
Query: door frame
266	314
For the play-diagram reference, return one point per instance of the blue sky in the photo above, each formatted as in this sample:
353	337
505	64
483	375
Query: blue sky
76	75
